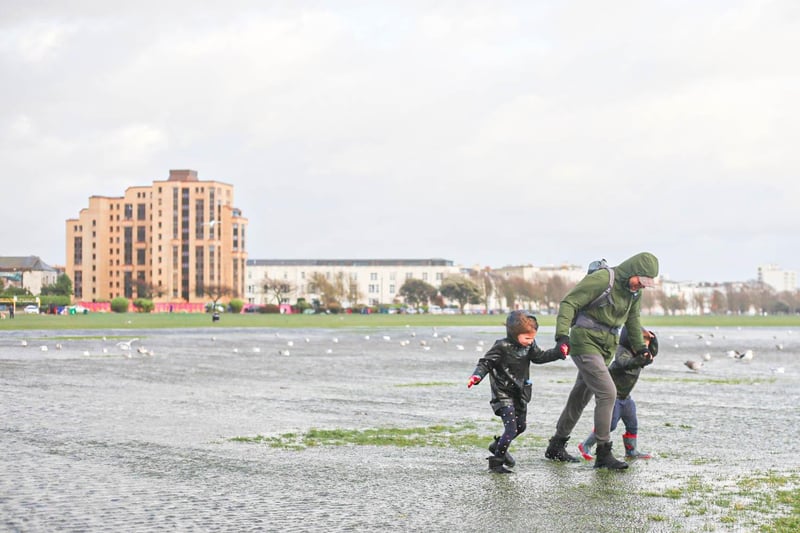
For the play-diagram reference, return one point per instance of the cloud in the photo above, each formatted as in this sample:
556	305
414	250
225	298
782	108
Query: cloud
516	132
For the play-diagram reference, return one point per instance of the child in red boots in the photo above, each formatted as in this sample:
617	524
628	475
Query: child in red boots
625	370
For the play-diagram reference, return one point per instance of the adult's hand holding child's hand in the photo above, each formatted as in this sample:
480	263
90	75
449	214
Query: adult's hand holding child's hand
562	344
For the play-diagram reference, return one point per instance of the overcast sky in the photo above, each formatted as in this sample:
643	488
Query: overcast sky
486	133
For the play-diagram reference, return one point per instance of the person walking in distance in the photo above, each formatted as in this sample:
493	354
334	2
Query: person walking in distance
587	330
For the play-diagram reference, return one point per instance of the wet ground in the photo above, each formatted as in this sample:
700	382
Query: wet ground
97	438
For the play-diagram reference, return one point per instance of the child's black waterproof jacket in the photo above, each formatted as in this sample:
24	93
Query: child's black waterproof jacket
508	365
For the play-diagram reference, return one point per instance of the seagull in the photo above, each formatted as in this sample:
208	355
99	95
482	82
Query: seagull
747	355
289	343
707	356
387	338
459	346
256	349
283	352
693	365
58	346
44	348
777	370
23	343
328	351
125	346
779	346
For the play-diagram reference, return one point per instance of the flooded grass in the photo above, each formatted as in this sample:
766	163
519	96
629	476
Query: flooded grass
711	381
459	436
752	503
428	384
353	432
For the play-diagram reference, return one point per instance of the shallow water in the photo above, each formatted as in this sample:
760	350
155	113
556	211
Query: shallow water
109	442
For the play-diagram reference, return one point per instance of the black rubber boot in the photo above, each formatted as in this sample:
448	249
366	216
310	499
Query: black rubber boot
496	465
605	459
557	450
509	461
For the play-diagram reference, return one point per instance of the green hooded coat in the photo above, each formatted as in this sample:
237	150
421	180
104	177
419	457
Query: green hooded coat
623	308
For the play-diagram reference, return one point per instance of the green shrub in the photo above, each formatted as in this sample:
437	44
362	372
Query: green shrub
269	308
57	300
236	305
143	305
119	305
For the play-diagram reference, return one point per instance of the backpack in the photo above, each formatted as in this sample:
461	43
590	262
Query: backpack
594	266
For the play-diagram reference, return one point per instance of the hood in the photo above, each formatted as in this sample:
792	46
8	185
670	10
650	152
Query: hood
643	264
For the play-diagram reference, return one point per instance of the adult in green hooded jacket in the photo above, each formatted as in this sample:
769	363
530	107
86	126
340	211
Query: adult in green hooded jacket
589	334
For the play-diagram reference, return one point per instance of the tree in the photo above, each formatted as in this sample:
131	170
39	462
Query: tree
216	292
554	291
462	290
278	288
416	292
62	287
327	291
718	302
486	283
674	303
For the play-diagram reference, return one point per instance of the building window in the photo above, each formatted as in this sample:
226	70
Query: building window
373	276
128	211
141	234
391	289
439	276
409	275
77	254
140	257
424	276
128	246
141	211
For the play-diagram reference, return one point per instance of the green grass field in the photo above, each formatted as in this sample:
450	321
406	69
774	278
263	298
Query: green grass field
184	320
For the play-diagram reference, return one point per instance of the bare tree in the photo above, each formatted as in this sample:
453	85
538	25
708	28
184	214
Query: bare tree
217	292
278	288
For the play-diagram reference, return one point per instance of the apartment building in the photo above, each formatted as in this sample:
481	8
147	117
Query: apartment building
777	278
358	281
178	240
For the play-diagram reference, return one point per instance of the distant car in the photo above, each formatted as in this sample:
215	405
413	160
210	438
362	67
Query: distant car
31	309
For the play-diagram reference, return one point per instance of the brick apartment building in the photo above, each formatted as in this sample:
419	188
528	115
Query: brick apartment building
173	241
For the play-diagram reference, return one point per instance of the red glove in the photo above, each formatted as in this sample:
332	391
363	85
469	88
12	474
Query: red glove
473	380
562	343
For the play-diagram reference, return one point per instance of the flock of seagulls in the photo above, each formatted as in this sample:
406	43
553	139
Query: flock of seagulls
128	348
125	348
744	356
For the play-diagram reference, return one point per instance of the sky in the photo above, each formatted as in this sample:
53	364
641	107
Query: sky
486	133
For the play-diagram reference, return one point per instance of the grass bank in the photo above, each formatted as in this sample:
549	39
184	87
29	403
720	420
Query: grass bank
106	321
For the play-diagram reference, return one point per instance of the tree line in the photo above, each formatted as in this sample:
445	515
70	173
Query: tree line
481	287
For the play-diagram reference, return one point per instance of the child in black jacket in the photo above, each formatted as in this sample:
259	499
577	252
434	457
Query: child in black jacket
508	364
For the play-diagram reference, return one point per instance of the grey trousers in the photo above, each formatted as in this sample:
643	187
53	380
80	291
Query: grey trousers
593	380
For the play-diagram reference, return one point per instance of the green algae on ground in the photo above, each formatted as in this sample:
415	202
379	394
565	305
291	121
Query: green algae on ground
753	502
456	436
